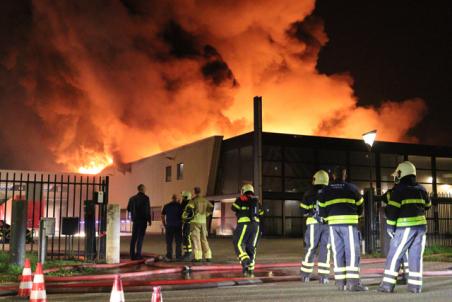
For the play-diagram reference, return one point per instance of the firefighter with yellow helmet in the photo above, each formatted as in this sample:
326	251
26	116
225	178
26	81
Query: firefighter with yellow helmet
317	233
246	234
405	216
187	216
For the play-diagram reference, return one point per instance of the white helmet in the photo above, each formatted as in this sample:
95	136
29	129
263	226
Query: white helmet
404	169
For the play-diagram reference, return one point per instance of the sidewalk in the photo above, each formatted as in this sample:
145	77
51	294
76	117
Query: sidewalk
268	250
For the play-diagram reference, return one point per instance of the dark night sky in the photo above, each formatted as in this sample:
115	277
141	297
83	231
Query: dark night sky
394	50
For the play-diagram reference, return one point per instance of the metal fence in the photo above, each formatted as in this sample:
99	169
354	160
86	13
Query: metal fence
49	195
439	223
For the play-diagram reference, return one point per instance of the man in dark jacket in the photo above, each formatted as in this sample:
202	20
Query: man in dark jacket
172	220
139	208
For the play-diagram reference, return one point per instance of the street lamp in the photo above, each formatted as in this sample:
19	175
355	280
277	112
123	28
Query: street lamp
369	139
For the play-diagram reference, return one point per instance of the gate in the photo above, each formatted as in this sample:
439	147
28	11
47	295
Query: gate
51	195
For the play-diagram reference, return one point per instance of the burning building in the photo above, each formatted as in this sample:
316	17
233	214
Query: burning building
220	167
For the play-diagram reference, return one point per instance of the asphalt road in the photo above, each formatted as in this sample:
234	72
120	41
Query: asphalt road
435	289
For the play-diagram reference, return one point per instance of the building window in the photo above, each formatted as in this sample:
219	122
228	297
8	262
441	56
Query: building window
180	171
168	174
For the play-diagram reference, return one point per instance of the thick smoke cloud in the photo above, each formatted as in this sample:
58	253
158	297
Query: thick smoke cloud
83	79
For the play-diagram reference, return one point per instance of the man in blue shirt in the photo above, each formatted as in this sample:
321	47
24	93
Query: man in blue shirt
172	220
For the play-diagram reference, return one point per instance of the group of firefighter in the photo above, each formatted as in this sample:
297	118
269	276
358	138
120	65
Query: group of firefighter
333	208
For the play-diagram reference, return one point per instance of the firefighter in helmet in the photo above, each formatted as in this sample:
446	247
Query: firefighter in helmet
317	232
246	234
340	204
187	216
405	216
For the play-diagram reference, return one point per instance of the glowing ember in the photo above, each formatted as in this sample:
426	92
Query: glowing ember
96	165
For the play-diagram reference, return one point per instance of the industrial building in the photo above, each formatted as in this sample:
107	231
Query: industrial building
220	167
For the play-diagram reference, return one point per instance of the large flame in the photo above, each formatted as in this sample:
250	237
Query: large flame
96	164
132	78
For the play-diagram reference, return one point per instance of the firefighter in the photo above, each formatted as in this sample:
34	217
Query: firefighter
317	233
247	232
202	209
403	271
340	204
187	216
405	213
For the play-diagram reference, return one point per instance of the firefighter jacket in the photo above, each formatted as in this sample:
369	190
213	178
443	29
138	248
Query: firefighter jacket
407	204
247	209
188	212
309	205
340	203
201	207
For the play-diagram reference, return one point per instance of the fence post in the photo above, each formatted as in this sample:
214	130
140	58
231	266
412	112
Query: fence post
18	231
113	233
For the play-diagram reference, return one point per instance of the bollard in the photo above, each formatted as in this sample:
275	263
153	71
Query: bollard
46	228
18	231
113	233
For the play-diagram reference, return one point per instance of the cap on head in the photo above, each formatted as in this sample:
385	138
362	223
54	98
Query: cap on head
247	188
320	178
186	195
404	169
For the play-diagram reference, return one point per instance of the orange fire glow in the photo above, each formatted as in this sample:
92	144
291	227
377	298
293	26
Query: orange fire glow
122	88
96	164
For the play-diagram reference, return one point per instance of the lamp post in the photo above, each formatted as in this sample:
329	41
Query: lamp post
369	139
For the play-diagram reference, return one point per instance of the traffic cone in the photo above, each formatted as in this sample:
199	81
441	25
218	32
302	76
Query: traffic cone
26	280
156	294
38	290
117	293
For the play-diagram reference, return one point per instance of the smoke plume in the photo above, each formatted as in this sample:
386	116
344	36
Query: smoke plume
85	82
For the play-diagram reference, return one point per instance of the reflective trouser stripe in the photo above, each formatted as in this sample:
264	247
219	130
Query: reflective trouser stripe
415	282
323	271
399	249
339	272
311	244
242	254
389	280
352	246
255	250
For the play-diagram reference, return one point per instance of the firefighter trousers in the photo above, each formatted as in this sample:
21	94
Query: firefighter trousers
404	267
411	239
316	238
245	239
345	243
201	247
186	238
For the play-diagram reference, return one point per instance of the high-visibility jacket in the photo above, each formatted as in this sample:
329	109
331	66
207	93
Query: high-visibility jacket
308	204
340	203
202	208
188	212
247	209
407	204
